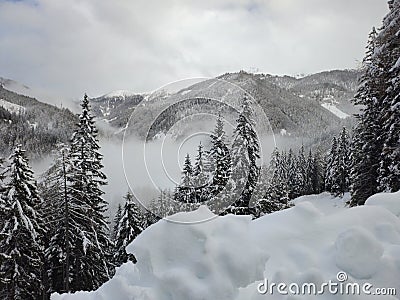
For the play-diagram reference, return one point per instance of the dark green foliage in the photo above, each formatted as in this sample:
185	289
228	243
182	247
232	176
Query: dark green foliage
21	233
375	146
129	226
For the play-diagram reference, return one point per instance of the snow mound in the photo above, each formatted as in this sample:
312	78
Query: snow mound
390	201
228	257
358	252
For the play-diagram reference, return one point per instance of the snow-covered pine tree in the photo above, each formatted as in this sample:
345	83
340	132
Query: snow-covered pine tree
200	179
376	93
91	252
56	211
22	232
277	194
291	170
340	183
309	172
117	217
245	153
301	174
318	173
128	228
220	157
185	191
389	38
331	165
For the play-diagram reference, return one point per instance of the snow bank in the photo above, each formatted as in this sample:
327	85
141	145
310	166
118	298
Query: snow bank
390	201
228	257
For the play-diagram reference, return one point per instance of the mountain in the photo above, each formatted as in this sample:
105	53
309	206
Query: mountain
308	110
331	88
36	125
116	107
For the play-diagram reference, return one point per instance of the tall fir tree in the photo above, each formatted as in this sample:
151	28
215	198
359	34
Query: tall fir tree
117	217
341	168
185	192
389	166
200	178
56	202
91	254
130	225
21	233
375	142
245	153
331	165
220	158
277	192
318	173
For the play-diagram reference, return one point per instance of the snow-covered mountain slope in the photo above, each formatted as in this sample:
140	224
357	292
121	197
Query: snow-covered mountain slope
290	104
315	243
36	125
116	107
37	93
12	107
336	111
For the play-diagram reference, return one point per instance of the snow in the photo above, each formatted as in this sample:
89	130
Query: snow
119	93
336	111
11	107
229	257
185	92
390	201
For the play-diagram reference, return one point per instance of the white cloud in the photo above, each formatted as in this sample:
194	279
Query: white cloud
96	46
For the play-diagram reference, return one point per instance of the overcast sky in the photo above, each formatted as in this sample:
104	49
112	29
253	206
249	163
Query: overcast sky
96	46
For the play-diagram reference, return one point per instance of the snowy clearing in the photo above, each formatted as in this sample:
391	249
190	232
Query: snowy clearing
119	93
185	92
11	107
228	257
336	111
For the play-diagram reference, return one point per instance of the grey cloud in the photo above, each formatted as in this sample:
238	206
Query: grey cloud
72	47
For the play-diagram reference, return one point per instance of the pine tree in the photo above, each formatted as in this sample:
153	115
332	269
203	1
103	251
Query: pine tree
341	171
277	193
245	152
317	173
56	210
365	145
117	217
21	234
375	142
90	255
389	166
310	169
185	191
128	228
200	179
331	165
292	173
220	158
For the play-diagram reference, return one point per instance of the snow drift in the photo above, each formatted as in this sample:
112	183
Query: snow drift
227	257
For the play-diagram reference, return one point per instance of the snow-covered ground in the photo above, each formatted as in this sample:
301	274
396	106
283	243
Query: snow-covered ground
119	93
232	257
336	111
11	107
